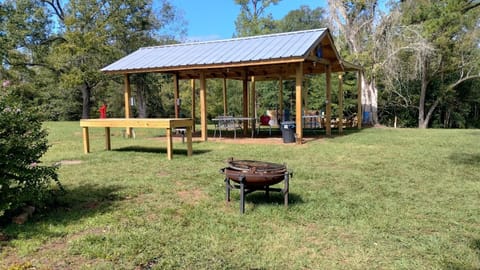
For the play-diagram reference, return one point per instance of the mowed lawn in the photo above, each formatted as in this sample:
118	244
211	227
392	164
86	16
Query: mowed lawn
378	198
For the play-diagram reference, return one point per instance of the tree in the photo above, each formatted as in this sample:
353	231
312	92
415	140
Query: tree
252	19
433	44
22	143
354	21
68	42
303	18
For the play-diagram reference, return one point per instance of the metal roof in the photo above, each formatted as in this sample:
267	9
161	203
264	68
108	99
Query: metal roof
279	46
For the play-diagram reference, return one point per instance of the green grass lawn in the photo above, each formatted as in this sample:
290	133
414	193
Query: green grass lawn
374	199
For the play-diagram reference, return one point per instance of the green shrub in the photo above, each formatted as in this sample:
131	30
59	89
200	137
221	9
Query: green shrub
22	143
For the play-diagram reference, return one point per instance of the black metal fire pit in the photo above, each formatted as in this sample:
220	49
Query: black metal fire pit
253	175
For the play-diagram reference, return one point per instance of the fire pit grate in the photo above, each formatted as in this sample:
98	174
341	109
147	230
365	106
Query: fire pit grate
253	175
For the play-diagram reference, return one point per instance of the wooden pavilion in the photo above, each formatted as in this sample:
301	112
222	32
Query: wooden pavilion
282	56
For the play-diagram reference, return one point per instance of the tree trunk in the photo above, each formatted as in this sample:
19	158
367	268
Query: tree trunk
422	121
86	93
141	101
369	100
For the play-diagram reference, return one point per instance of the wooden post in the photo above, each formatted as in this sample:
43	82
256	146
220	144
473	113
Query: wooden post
176	96
359	100
245	102
340	103
86	140
189	140
127	94
280	99
305	96
298	107
328	119
253	101
225	108
169	143
108	144
192	85
203	106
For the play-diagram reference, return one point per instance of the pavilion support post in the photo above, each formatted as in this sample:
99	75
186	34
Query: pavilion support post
340	103
359	100
127	95
245	103
298	105
225	108
176	95
280	100
253	102
203	107
328	119
305	96
192	86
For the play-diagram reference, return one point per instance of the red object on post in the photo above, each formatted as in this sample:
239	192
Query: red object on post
103	111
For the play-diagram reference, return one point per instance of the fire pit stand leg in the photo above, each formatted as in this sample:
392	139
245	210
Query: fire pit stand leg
242	194
285	189
227	188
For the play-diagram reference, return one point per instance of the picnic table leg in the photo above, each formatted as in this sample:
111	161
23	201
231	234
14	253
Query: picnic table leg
189	141
108	144
169	144
86	140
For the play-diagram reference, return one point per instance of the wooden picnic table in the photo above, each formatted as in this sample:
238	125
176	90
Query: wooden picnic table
167	123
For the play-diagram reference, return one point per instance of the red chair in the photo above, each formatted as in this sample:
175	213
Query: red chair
265	121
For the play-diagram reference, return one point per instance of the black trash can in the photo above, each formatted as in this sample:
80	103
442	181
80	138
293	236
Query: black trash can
288	131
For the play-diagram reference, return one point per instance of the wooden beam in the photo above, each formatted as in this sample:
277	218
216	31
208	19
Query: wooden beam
298	107
127	95
322	61
203	107
328	119
192	86
225	108
340	103
176	96
359	100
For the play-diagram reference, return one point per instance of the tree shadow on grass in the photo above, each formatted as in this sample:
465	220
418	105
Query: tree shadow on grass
67	208
465	265
465	158
158	150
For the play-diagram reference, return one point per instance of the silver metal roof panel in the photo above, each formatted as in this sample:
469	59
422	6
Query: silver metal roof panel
256	48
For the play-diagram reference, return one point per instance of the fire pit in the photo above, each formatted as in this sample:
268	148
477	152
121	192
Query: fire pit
253	175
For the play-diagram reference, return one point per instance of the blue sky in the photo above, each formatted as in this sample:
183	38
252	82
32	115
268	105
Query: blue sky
215	19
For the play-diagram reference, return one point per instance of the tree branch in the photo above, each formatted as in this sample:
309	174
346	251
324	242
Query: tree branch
57	8
472	5
455	84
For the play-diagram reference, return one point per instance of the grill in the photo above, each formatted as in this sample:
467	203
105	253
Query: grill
252	175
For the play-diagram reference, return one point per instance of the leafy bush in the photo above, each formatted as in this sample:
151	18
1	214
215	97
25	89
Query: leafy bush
22	143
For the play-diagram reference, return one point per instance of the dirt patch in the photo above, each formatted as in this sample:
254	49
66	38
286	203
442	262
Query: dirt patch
162	174
46	256
70	162
192	197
